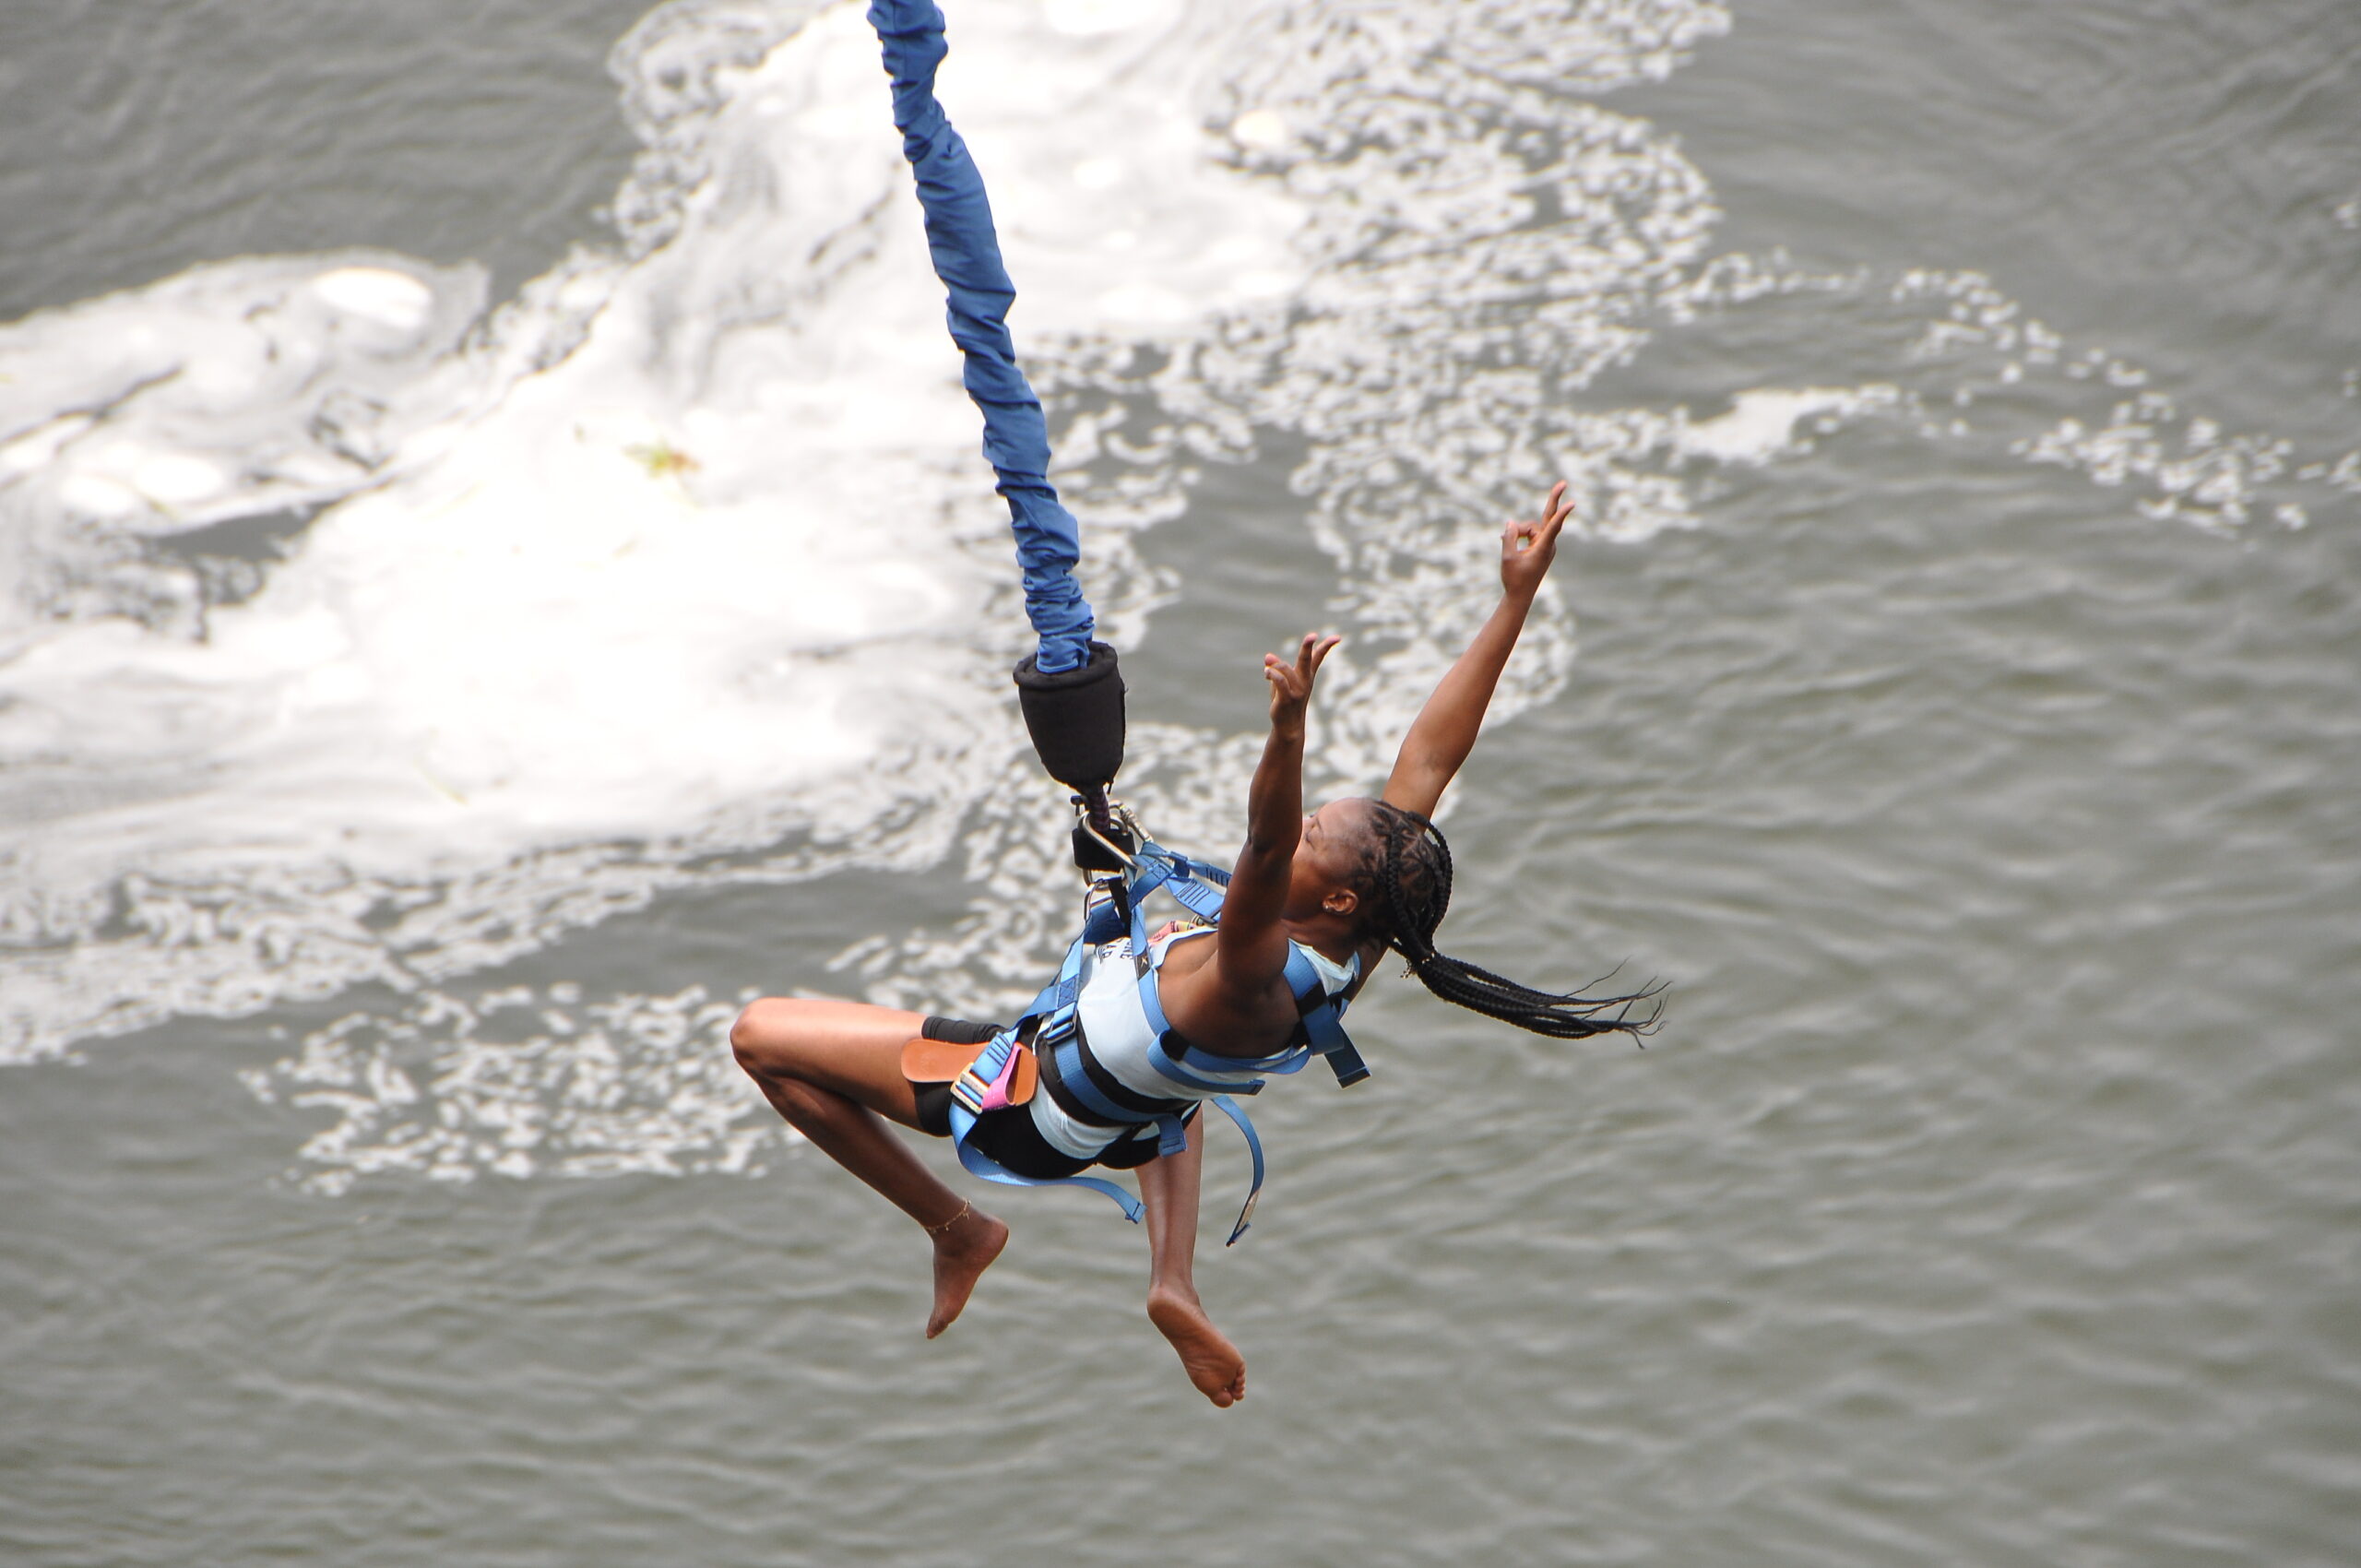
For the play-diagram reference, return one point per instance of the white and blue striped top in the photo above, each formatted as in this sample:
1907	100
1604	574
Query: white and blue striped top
1115	1031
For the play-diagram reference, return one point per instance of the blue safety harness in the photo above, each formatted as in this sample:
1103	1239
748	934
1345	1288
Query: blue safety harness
1048	1028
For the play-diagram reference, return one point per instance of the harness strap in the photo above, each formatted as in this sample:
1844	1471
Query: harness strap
1173	1055
1049	1026
1319	1016
1072	1076
1322	1021
1254	1147
962	1125
1166	1064
979	1163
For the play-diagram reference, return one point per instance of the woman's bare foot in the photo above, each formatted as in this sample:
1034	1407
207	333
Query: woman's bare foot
961	1253
1211	1363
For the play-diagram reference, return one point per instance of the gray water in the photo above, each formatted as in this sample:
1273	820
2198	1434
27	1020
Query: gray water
142	138
1989	1197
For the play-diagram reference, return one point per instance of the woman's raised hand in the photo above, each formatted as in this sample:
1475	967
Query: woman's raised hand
1526	548
1291	683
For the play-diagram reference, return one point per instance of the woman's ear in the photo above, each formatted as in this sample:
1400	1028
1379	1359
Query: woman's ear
1343	901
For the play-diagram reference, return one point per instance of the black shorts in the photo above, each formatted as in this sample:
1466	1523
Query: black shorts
1008	1137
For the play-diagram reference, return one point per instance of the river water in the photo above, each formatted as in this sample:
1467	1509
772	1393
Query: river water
494	570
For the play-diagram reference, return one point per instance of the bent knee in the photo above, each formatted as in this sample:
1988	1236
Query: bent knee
764	1037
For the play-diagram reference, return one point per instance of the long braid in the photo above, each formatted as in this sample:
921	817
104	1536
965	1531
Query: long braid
1412	874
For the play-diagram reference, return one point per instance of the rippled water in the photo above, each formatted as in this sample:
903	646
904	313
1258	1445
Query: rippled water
402	776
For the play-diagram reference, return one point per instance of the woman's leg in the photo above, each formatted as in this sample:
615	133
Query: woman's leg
1168	1188
833	1069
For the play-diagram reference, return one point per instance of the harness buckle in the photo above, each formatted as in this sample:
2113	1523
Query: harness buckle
1012	1084
1113	847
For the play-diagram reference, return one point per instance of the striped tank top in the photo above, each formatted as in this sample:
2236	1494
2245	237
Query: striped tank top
1116	1038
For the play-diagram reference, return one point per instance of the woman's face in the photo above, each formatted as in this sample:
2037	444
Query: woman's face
1326	857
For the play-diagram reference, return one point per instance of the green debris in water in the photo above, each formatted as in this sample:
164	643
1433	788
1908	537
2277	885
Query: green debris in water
661	459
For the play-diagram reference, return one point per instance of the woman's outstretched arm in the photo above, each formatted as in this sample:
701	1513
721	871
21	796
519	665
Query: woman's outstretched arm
1444	732
1250	950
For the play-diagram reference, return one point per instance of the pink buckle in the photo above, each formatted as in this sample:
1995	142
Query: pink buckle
980	1095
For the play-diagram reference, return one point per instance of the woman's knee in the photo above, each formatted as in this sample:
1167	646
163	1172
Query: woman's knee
764	1036
840	1048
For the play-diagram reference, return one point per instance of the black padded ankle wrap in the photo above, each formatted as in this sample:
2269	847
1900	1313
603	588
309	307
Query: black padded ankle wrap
1076	718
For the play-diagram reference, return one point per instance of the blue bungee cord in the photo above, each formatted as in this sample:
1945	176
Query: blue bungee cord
1069	687
966	258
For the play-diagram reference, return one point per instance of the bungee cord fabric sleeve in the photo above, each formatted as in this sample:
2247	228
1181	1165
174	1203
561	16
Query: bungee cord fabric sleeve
965	249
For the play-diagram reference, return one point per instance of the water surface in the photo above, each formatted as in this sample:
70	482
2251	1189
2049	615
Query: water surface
1952	697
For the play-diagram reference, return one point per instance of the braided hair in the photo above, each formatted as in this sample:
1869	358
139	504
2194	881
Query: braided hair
1404	884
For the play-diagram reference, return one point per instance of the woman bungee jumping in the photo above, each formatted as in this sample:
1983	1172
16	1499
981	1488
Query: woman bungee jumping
1335	890
1111	1064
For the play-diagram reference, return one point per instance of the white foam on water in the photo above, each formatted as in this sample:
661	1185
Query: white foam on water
394	299
1087	18
1760	423
1973	365
2179	464
234	389
521	1082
